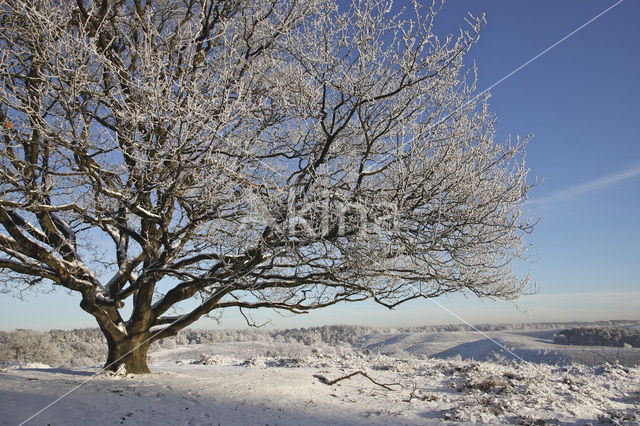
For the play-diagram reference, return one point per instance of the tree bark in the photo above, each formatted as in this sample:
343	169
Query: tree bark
128	355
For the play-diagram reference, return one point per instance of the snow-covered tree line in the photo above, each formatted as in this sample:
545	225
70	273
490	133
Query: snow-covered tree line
86	347
81	347
599	336
247	154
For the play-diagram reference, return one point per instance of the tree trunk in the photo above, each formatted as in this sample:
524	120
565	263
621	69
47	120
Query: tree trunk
128	355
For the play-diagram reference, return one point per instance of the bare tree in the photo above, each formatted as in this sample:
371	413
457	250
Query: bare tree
253	154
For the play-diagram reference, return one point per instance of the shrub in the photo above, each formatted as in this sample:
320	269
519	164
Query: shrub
599	336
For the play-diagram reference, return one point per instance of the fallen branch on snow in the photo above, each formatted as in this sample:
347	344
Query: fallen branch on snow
348	376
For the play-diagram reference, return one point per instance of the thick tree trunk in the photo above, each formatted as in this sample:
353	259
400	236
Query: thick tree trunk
129	355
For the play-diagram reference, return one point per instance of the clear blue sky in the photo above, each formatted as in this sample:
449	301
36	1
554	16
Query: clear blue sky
581	100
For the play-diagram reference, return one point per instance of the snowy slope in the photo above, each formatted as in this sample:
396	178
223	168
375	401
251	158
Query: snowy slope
278	384
528	345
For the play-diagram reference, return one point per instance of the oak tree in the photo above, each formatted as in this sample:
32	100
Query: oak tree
247	154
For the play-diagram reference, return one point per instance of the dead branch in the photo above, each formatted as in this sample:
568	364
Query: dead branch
413	395
326	381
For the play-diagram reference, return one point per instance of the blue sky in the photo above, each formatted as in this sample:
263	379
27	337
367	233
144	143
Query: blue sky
581	100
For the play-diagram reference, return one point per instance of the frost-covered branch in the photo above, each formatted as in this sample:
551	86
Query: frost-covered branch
278	154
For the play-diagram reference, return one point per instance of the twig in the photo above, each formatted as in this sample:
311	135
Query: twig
250	321
348	376
414	395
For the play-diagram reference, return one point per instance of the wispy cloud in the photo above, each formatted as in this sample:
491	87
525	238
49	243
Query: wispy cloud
589	186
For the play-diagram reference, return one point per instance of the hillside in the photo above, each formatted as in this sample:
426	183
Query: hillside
421	377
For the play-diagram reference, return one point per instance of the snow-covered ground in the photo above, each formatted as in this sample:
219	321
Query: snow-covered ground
428	378
528	345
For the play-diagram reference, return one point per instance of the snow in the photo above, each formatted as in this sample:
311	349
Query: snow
450	377
529	345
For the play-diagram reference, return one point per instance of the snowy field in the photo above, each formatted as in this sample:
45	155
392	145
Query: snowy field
412	378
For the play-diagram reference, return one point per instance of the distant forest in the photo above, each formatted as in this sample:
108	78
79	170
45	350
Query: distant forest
87	347
599	336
